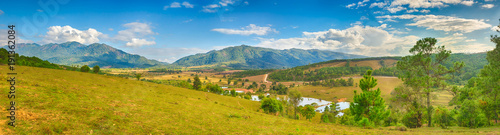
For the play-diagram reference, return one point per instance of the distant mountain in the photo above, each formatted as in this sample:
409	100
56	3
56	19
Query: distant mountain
248	57
74	53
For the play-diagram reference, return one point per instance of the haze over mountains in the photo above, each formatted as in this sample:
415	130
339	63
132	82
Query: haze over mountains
74	53
248	57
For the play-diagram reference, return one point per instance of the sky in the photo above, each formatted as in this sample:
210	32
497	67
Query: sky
167	30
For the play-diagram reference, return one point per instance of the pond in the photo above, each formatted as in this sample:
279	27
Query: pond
321	103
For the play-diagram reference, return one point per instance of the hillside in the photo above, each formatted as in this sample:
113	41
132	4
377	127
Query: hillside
248	57
68	102
74	53
384	66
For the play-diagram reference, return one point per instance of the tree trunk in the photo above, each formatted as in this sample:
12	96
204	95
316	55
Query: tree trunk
429	109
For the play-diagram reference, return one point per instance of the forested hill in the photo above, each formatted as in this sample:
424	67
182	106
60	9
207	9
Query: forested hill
382	66
248	57
74	53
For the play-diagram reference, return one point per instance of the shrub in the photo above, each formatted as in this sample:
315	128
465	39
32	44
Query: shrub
96	69
443	117
85	68
271	105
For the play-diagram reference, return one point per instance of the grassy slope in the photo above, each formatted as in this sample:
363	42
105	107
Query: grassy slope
57	101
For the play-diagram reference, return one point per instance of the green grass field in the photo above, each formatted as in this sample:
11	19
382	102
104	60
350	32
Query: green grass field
67	102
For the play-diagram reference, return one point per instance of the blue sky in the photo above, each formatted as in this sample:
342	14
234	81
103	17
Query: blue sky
170	29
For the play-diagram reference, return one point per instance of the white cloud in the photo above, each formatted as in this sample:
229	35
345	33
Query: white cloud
360	4
246	2
411	10
495	28
139	42
111	29
470	40
424	11
395	9
135	34
1	12
488	6
247	30
186	21
444	23
378	4
351	5
363	40
58	34
187	4
175	5
467	3
226	2
364	18
210	8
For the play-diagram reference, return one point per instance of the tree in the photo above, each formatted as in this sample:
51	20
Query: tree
490	79
197	83
138	76
308	111
96	69
233	93
368	105
189	80
85	68
295	98
271	105
424	70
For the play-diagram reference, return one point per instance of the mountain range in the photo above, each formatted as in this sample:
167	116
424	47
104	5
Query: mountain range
74	53
248	57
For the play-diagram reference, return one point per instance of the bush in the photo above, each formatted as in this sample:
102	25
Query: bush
443	117
85	68
412	119
96	69
271	105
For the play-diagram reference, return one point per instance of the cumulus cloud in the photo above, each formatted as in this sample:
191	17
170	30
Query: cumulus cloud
212	8
61	34
360	4
247	30
467	3
178	5
399	5
488	6
226	2
363	40
444	23
135	34
139	42
187	4
496	28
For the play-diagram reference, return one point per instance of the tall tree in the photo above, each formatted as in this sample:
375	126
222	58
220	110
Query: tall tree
424	70
368	104
295	98
197	83
490	78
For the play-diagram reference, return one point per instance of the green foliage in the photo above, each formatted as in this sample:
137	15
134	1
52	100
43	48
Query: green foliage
138	76
326	73
85	68
443	117
308	111
252	72
424	70
96	69
234	93
368	104
271	105
294	98
197	83
329	115
280	89
334	83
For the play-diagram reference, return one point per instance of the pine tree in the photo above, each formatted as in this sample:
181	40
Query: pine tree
197	83
368	104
